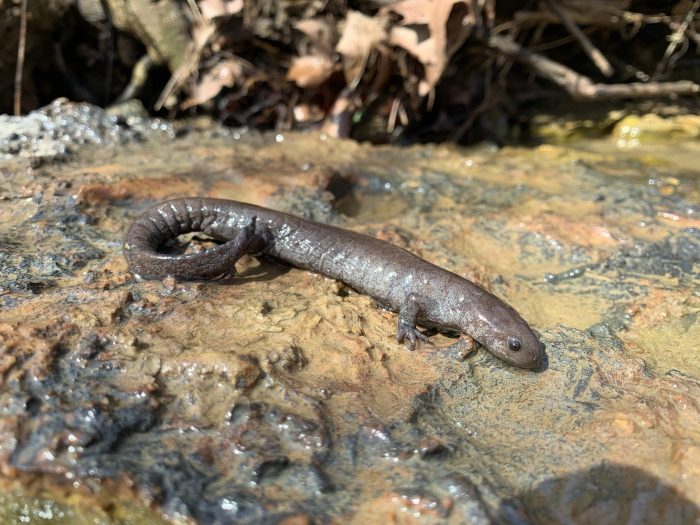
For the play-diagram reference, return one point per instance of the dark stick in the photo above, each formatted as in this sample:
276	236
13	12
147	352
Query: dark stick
583	88
21	47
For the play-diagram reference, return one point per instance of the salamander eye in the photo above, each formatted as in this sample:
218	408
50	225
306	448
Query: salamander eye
514	344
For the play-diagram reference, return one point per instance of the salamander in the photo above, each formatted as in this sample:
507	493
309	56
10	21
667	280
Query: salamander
395	278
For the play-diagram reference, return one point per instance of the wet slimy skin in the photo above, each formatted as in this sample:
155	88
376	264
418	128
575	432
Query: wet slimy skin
396	278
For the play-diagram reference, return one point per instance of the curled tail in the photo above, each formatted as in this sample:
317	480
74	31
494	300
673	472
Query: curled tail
166	221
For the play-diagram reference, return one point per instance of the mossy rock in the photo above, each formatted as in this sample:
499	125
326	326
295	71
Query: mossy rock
633	130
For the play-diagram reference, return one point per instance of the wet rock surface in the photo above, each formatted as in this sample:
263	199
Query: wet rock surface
280	396
59	129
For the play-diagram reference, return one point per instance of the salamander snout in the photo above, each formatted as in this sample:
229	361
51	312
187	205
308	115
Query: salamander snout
520	348
508	336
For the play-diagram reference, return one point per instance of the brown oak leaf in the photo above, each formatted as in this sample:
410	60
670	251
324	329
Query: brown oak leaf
431	30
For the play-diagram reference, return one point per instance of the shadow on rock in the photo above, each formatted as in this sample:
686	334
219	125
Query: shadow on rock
608	494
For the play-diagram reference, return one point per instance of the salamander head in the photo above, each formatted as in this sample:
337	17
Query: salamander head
507	336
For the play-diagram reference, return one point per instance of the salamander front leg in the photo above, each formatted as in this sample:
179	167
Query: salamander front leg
464	346
408	316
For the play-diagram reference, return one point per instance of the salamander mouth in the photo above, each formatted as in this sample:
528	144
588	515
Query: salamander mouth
534	362
536	359
524	359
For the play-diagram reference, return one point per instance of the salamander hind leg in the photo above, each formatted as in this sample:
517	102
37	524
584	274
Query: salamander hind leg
245	241
408	316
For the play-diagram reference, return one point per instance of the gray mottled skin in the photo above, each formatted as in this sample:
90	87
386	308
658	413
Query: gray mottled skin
397	279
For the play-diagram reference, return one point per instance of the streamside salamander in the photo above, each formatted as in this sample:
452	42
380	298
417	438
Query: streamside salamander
396	278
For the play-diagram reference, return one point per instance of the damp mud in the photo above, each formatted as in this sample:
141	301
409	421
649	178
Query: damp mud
281	396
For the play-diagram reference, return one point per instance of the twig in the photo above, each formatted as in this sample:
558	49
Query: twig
196	11
110	53
552	44
21	48
593	52
480	108
189	63
610	19
676	38
693	35
139	76
583	88
490	13
628	71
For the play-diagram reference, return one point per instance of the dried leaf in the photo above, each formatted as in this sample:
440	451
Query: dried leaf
360	34
306	113
223	74
310	70
320	32
431	30
216	8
